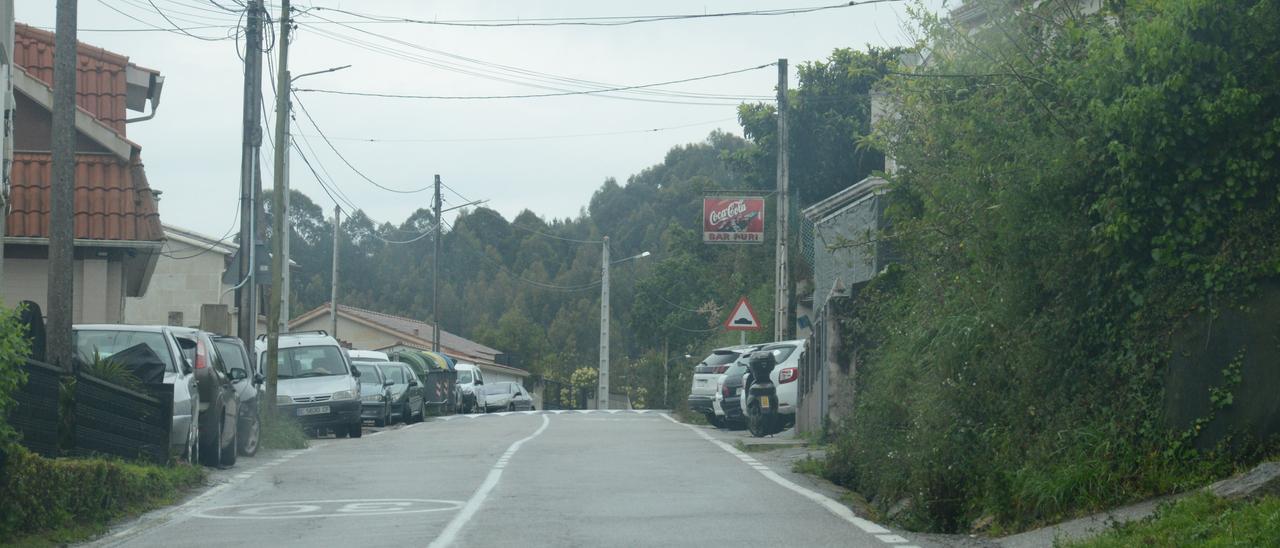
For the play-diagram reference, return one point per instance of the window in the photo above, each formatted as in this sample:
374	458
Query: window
105	343
310	361
231	355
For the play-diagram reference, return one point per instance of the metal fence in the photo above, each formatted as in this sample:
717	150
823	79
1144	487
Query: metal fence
438	391
107	419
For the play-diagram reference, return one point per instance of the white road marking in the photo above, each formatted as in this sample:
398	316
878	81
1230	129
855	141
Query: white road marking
891	539
840	510
309	509
411	425
450	532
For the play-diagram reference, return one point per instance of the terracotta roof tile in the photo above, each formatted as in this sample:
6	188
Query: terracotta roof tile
100	83
112	199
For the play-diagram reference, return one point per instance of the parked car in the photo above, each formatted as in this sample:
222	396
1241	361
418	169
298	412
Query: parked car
247	380
507	396
406	392
220	410
317	384
375	394
727	403
368	356
705	376
470	396
784	376
110	340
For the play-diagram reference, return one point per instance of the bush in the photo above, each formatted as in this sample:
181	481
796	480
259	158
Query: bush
281	432
14	348
43	495
1199	520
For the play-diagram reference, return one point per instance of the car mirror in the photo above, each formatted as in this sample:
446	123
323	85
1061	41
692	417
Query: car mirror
413	383
479	382
238	374
186	368
355	372
389	383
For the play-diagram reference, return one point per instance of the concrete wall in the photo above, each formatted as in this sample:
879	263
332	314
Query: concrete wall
179	286
98	286
359	335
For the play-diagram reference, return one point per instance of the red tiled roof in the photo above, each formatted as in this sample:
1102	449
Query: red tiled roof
100	82
413	332
112	199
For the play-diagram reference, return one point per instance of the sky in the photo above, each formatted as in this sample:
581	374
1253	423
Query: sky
545	154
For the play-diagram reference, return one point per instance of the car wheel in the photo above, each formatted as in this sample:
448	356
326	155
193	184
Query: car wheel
714	420
757	422
227	455
381	420
250	440
340	431
356	429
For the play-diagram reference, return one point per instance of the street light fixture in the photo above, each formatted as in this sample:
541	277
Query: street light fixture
602	398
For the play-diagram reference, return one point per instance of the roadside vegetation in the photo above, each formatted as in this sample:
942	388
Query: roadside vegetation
1199	520
52	502
280	432
1062	205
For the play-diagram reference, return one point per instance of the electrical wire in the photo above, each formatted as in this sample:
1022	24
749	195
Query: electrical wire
532	137
235	222
181	31
534	95
607	21
344	159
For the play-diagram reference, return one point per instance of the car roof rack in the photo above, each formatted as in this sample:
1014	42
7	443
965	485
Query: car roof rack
322	332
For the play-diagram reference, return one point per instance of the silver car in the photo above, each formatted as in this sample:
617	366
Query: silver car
105	340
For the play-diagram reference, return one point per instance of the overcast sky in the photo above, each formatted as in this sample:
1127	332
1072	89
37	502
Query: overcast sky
517	153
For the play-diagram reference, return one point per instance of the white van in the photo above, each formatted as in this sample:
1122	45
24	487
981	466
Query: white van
470	394
317	384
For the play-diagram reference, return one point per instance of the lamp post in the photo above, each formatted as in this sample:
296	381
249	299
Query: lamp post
666	367
602	398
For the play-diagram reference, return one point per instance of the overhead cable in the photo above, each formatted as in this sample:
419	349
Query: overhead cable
344	159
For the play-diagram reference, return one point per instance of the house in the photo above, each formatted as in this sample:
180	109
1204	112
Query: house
117	231
369	330
187	275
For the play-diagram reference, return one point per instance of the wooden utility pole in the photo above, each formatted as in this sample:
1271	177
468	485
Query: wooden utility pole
782	291
333	285
277	206
62	190
435	273
250	190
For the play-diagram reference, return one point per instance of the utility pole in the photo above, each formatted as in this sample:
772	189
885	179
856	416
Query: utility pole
278	236
288	223
6	75
251	140
62	190
782	291
602	400
435	274
333	286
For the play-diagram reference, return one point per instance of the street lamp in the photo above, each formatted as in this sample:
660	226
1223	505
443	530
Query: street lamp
602	398
665	368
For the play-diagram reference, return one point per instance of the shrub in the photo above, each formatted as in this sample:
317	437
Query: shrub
281	432
42	494
14	348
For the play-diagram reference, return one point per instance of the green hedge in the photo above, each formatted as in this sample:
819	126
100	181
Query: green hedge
40	495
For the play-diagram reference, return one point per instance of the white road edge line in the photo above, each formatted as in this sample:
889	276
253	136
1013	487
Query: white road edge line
841	511
450	532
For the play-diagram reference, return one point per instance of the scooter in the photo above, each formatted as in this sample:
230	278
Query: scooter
762	403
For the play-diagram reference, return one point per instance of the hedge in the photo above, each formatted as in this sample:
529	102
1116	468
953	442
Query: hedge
40	495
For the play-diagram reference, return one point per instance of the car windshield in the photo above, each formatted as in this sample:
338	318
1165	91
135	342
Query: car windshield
715	360
394	373
498	388
368	373
105	343
310	361
464	377
231	354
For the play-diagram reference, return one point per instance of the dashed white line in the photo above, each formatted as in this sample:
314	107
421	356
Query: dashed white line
450	532
891	539
840	510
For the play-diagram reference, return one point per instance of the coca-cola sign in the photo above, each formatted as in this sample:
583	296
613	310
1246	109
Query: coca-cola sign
738	220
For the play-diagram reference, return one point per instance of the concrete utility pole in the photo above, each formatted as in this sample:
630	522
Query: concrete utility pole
333	286
782	291
62	190
435	274
602	400
278	236
251	140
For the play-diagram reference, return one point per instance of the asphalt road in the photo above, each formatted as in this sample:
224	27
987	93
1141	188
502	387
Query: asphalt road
519	479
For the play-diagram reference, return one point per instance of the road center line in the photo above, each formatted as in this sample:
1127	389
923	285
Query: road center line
841	511
450	532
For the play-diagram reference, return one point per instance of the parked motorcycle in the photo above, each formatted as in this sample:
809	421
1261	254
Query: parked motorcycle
762	404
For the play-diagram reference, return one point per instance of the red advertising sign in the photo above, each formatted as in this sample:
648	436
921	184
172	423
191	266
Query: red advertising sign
732	220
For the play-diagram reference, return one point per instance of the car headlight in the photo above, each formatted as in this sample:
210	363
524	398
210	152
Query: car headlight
283	400
372	397
343	395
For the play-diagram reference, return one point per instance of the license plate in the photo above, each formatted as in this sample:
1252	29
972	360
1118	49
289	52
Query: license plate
702	381
764	402
322	410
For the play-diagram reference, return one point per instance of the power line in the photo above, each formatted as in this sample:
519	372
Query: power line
181	31
344	159
607	21
536	95
235	222
531	137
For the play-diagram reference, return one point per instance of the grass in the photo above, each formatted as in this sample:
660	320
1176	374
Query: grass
51	502
811	466
279	432
1199	520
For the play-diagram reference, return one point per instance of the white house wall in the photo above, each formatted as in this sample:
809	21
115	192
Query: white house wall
180	285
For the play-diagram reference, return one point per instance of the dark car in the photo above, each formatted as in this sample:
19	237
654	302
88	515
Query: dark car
219	407
406	391
375	394
731	392
248	383
507	396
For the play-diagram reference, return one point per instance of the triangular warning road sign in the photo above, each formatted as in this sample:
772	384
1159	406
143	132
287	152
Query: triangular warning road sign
743	318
